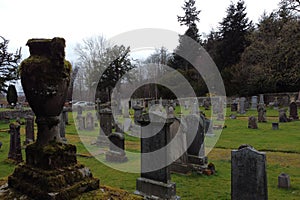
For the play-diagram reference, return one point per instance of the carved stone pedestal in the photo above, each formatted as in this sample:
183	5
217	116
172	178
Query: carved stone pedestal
52	172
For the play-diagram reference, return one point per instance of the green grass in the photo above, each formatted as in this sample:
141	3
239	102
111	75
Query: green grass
282	148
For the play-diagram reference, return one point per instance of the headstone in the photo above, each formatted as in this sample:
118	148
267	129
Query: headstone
155	184
90	125
262	113
275	125
29	129
79	110
171	112
62	127
282	115
105	116
261	99
293	111
248	174
186	105
252	122
284	181
206	104
242	105
15	152
298	99
116	151
81	122
276	104
234	107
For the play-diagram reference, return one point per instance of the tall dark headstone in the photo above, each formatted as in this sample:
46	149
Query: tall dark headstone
252	122
29	129
293	111
248	174
15	152
105	116
155	136
282	115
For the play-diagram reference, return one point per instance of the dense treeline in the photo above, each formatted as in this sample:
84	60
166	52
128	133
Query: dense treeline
251	58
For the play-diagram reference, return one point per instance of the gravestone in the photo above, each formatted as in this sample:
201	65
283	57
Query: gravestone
105	126
252	122
261	113
65	115
15	152
284	181
293	111
79	111
62	127
81	122
275	125
90	124
127	124
155	184
282	115
116	151
171	112
242	105
253	102
233	107
29	129
261	99
206	104
248	174
276	104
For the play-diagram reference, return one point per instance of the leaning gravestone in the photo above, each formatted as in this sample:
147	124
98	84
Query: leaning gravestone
105	116
248	174
51	170
155	184
15	143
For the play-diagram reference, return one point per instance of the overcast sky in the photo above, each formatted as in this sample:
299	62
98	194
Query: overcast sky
75	20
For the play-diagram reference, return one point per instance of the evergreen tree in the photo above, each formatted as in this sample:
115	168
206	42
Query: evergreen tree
9	63
12	96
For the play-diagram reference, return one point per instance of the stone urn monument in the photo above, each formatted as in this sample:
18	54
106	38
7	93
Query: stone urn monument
51	170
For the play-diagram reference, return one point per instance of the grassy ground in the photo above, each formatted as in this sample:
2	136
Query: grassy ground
282	148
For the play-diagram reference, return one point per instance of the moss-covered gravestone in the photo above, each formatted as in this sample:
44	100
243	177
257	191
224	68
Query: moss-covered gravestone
51	170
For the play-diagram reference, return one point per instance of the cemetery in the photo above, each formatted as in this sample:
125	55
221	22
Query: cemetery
216	119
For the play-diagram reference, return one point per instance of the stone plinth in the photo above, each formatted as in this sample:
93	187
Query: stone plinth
54	171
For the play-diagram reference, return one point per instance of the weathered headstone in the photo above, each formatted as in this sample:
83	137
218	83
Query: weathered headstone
15	143
29	129
234	107
248	174
90	125
252	122
81	122
293	111
253	102
284	181
242	105
105	126
261	113
155	184
116	151
283	116
261	99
